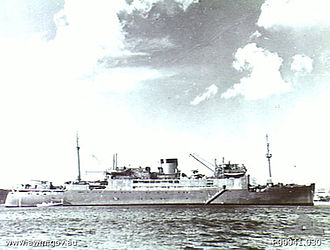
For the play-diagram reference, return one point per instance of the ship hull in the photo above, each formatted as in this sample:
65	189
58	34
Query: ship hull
298	195
286	195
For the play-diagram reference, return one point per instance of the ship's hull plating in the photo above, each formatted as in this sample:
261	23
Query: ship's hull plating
302	195
286	195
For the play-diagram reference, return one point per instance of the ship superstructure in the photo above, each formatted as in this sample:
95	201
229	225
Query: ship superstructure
34	193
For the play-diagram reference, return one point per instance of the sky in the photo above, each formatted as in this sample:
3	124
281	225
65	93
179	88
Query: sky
152	79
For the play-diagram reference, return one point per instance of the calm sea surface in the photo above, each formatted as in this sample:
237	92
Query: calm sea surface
201	227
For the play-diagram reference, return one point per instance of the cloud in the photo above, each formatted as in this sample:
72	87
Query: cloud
264	76
302	64
159	43
256	34
64	74
294	13
88	30
145	5
210	92
156	44
123	78
325	62
186	3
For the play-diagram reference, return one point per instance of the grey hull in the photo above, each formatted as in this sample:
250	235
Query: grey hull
286	195
302	195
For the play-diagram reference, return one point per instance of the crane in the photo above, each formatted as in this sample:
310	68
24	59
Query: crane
197	158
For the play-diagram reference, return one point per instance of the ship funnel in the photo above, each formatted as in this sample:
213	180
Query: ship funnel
169	166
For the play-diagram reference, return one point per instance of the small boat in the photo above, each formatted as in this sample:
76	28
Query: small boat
321	203
322	197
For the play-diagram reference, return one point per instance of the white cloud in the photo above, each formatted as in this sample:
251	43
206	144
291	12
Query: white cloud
146	5
186	3
123	78
294	13
141	5
88	30
264	76
210	92
159	43
325	62
256	34
302	64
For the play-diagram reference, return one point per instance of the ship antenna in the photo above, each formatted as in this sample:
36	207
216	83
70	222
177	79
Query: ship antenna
78	148
268	156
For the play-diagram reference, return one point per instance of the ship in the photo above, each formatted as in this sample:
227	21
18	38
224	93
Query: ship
322	197
123	186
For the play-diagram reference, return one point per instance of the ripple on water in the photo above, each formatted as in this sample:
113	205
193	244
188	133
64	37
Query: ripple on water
159	227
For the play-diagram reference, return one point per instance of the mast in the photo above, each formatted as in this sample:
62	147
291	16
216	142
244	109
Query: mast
115	162
78	148
268	156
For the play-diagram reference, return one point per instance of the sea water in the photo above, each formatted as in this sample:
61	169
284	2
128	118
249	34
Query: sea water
166	227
